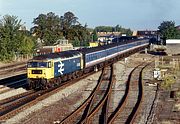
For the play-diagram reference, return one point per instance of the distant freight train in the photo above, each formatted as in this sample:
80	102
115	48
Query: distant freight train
48	70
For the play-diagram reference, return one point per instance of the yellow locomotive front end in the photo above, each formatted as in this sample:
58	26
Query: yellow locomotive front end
39	72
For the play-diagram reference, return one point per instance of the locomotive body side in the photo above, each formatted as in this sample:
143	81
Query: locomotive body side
67	65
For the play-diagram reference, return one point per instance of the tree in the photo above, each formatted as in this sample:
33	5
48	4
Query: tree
67	21
27	45
47	28
168	30
117	28
128	32
11	38
79	34
94	36
104	28
178	34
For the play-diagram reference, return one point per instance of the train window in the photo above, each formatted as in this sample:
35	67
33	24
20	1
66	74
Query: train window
88	59
42	64
32	64
37	64
49	64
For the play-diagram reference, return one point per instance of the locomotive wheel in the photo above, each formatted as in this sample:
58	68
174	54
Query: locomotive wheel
57	81
70	76
80	73
43	84
64	78
30	84
74	75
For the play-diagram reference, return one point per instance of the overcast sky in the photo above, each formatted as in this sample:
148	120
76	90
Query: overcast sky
134	14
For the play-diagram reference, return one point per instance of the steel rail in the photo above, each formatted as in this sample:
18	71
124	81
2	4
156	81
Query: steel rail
123	102
86	102
102	101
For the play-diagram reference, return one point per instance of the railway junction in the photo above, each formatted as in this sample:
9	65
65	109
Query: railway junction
124	92
55	69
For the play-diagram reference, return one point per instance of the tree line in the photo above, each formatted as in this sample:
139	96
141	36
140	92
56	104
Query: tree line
48	28
116	28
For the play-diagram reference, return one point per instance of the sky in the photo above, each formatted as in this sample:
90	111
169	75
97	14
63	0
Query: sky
133	14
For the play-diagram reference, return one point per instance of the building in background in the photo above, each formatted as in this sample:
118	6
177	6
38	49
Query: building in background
173	46
107	36
145	33
93	44
62	45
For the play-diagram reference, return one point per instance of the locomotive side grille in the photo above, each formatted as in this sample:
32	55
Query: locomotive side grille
36	71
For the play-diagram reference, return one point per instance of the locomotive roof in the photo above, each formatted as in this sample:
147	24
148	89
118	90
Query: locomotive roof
94	49
63	54
89	50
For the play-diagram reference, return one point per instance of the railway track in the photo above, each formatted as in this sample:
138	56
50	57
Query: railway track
8	70
16	97
98	100
9	80
130	104
12	83
98	107
15	104
11	66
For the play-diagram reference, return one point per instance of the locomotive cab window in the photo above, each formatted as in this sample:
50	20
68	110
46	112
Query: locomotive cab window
49	65
43	64
37	64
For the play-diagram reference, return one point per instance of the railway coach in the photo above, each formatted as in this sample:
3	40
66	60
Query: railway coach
98	55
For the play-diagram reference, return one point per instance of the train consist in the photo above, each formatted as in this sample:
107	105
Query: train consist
52	69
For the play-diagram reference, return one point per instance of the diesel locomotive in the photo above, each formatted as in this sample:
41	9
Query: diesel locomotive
45	71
